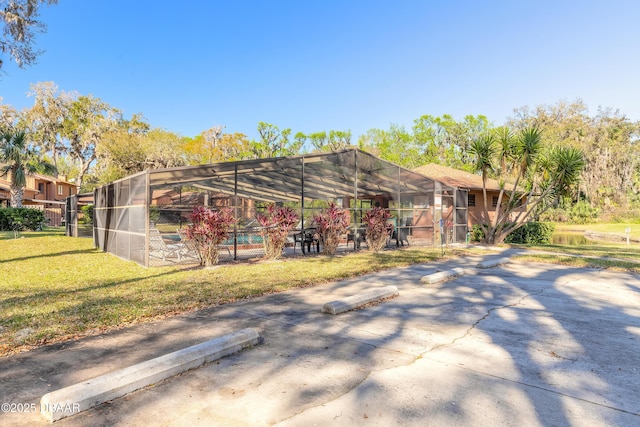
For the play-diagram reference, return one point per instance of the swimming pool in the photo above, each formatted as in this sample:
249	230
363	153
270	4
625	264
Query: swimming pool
243	239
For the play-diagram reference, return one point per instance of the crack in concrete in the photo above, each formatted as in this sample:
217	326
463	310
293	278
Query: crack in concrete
452	342
416	358
472	327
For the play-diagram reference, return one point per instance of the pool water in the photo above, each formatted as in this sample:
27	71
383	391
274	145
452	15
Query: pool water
245	239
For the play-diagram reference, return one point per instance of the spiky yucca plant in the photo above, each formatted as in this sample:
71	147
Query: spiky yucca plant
537	175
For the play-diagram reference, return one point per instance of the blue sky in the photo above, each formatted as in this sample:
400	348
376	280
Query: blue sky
342	65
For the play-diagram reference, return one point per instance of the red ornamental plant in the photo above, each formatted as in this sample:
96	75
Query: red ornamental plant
276	222
209	228
378	230
331	223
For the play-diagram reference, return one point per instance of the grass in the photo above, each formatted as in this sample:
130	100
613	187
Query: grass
554	258
615	256
54	288
601	228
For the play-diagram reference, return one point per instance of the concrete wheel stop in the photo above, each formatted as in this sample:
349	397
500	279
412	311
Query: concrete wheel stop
493	262
358	300
87	394
443	275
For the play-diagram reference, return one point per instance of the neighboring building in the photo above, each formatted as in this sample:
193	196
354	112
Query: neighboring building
5	194
473	183
42	192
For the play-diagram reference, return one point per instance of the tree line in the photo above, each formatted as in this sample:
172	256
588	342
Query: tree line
93	143
89	141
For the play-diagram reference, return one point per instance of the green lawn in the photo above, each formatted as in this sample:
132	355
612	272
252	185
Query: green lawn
611	264
54	287
601	228
610	255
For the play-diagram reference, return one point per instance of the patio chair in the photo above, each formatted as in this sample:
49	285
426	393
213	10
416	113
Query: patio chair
298	239
158	248
307	239
359	237
191	245
400	236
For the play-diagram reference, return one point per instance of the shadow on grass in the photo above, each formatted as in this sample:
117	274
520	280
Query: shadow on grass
52	255
100	285
8	235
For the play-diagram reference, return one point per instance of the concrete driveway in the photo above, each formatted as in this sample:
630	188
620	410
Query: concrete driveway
521	344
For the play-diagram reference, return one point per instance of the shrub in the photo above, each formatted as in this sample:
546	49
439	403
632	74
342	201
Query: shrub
87	217
555	215
377	228
626	217
579	213
331	223
20	219
582	213
154	214
209	229
276	222
532	233
477	235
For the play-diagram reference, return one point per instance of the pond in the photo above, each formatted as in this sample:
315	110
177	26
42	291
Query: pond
575	238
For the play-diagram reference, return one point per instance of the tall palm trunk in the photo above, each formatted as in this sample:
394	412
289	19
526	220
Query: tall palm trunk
16	196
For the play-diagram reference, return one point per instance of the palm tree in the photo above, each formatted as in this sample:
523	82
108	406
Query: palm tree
535	175
484	151
18	161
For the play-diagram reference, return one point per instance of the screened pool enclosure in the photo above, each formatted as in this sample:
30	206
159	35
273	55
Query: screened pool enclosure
140	217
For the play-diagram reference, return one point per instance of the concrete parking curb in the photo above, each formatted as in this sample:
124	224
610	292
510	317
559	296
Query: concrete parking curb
87	394
493	262
354	301
443	275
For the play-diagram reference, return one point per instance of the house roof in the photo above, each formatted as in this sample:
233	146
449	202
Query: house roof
53	179
455	177
43	202
4	182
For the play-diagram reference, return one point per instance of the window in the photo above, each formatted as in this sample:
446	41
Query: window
471	200
41	187
494	202
519	202
60	190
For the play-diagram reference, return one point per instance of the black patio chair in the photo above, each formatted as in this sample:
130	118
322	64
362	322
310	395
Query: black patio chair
359	237
307	239
400	236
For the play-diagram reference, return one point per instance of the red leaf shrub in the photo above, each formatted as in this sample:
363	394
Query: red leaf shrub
331	223
209	228
378	230
276	222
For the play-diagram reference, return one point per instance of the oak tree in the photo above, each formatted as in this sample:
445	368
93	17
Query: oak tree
20	24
